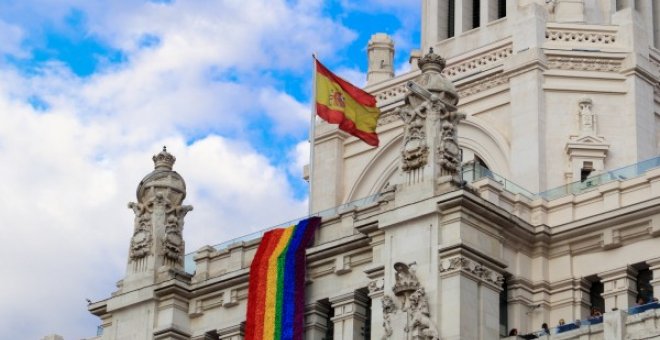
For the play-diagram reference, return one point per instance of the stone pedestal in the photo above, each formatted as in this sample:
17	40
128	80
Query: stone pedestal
328	167
350	315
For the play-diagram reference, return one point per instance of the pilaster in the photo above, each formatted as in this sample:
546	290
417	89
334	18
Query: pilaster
654	267
619	288
350	315
316	320
470	289
327	179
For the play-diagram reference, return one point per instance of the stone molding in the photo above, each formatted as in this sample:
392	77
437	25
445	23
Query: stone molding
232	332
583	63
579	34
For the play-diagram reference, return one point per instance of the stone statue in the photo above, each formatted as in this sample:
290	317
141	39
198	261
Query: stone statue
388	309
587	118
420	323
416	323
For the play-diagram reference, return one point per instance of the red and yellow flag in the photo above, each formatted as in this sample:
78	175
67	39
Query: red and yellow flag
340	102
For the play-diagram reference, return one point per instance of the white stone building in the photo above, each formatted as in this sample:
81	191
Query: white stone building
533	199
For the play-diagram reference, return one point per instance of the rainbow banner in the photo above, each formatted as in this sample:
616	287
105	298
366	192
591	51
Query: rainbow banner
276	295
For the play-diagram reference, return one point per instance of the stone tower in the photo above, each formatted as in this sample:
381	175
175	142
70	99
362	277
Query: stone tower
381	58
157	244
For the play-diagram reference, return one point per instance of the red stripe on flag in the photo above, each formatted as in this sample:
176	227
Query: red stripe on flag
358	94
345	124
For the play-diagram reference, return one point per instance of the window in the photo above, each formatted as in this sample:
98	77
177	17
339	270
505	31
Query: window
450	18
476	13
587	168
596	295
504	309
644	287
501	8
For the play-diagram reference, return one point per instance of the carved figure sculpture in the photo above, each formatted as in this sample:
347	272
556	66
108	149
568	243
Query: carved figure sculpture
419	316
172	241
389	307
141	240
587	117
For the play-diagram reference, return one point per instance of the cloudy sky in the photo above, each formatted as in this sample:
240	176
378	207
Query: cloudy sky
90	90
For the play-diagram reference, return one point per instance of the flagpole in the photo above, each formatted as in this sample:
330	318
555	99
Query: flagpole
312	131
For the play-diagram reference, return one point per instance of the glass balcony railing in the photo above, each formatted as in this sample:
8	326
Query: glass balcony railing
189	262
470	173
474	172
594	181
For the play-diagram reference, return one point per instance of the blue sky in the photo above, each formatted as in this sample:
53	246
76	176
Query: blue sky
89	90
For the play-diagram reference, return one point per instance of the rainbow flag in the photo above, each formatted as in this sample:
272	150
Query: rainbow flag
340	102
276	294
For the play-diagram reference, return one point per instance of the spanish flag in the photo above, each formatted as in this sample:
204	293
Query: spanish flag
340	102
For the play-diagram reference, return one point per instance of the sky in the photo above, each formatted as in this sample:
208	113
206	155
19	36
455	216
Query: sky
90	90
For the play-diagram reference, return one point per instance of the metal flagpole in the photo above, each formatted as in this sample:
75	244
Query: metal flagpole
312	130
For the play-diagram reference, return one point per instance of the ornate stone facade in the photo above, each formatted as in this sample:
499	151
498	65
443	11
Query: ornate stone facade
512	240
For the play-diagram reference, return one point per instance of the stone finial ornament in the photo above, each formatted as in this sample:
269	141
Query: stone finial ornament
164	160
430	112
159	215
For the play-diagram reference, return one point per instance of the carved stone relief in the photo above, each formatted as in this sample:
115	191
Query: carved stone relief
429	112
460	263
409	311
142	234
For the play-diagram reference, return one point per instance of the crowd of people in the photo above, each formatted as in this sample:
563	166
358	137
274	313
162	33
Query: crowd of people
596	316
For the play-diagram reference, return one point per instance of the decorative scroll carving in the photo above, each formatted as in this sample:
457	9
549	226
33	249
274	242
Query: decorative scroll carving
460	263
416	321
376	286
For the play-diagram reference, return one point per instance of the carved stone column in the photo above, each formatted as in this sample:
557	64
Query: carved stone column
470	289
350	315
376	292
316	321
157	244
619	288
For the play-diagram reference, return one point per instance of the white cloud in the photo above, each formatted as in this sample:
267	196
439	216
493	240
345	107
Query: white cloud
68	170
